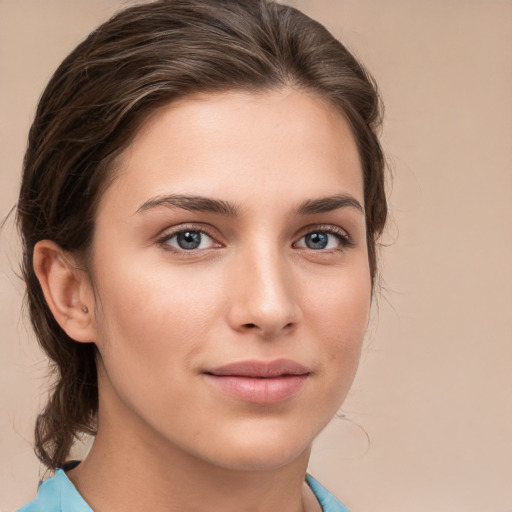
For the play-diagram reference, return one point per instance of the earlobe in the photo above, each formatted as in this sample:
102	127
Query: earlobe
66	289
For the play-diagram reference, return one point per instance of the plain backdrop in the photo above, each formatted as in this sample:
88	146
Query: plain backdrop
429	423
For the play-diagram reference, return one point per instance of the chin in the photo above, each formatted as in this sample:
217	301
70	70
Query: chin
261	450
259	460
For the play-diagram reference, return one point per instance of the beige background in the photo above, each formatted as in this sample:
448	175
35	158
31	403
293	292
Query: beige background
434	390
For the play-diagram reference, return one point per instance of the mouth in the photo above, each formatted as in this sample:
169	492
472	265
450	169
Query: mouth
259	382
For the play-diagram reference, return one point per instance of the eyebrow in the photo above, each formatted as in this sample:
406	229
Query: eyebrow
191	203
220	207
328	204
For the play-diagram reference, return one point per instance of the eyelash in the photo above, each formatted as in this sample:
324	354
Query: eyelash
343	238
163	242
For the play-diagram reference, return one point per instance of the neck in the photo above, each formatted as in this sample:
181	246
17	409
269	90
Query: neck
125	479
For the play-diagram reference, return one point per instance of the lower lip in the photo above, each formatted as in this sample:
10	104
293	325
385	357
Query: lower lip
271	390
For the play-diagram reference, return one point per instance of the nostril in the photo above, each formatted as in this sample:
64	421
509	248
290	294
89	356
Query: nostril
286	328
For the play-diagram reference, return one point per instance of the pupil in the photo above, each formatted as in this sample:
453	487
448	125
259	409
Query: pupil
317	240
189	240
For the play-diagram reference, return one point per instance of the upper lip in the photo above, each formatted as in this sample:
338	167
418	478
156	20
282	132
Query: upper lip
261	369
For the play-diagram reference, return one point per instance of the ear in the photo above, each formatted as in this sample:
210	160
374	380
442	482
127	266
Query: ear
67	291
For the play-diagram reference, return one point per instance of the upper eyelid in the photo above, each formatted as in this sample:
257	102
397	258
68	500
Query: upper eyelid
214	234
180	228
329	228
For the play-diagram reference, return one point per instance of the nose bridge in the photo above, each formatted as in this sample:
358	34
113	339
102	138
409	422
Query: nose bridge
263	298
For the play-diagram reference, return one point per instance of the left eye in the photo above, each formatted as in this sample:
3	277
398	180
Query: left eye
189	240
321	240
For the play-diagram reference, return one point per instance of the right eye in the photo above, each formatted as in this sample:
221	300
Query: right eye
188	240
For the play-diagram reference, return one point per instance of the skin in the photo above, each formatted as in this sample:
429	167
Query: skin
160	315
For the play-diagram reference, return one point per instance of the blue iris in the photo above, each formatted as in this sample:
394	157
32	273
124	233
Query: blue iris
317	240
188	240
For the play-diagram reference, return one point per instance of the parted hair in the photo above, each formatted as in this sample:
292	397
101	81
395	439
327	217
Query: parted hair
142	58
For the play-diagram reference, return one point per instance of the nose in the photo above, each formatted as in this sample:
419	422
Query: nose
263	295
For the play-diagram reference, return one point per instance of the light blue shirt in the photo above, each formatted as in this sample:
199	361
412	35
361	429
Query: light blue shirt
58	494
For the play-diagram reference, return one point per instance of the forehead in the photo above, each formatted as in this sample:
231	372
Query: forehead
239	145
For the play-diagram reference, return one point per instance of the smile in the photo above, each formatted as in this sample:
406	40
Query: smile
259	382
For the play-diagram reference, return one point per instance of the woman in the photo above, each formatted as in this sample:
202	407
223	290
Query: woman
200	206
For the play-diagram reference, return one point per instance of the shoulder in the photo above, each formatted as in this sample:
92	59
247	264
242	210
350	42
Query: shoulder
328	501
57	494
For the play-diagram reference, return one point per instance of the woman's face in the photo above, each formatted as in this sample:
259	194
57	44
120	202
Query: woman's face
232	279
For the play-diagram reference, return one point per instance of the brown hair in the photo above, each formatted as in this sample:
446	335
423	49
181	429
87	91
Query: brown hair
143	57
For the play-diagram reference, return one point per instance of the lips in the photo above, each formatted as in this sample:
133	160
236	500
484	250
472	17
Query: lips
259	382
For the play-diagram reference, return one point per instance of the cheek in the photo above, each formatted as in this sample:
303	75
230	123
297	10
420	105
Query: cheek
339	312
154	325
341	302
152	315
